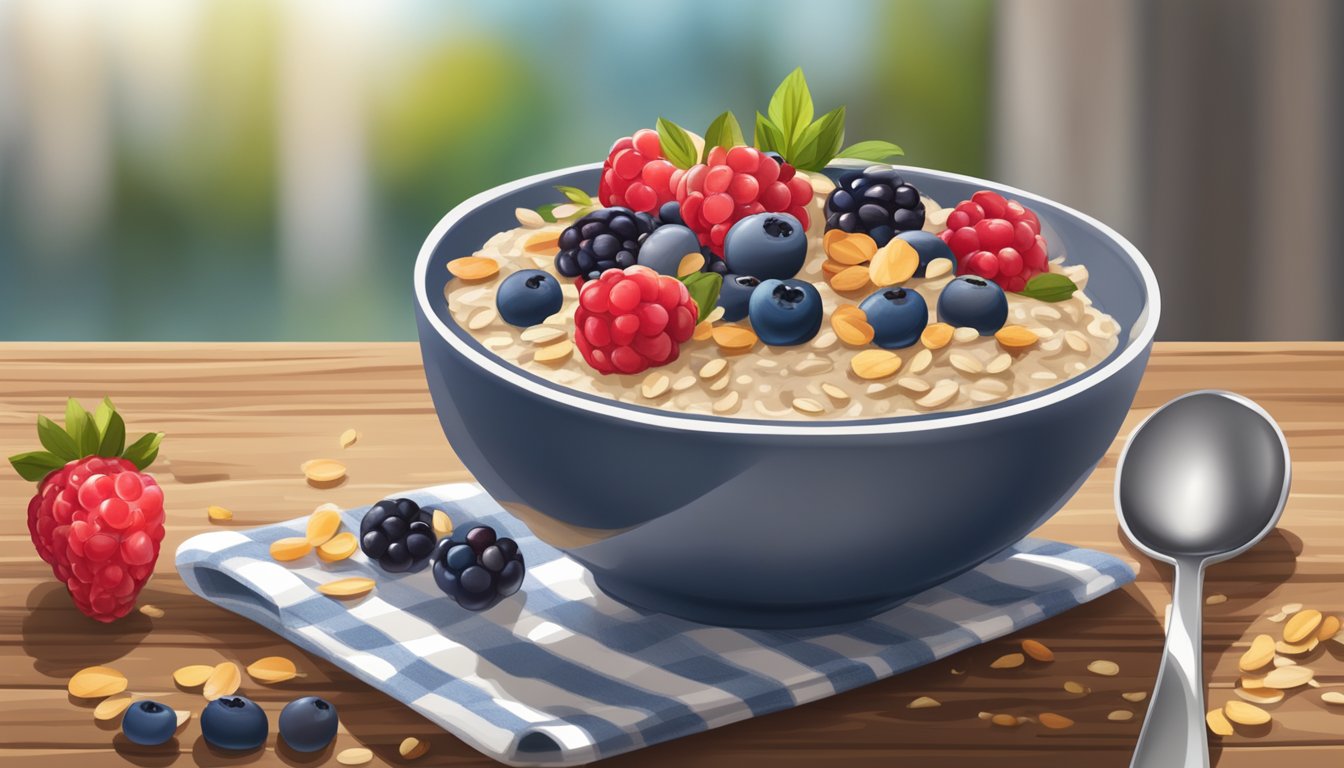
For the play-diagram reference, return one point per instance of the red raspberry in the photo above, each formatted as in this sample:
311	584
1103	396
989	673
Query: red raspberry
997	239
633	319
733	184
98	521
636	175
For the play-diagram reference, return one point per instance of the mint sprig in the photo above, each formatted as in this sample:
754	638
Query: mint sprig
677	145
575	195
1049	286
102	433
806	144
704	289
723	132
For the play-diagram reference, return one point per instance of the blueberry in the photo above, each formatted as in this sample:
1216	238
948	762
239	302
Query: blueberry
374	544
785	312
735	294
527	297
929	247
670	213
898	317
973	301
149	723
766	246
663	250
480	537
234	722
308	724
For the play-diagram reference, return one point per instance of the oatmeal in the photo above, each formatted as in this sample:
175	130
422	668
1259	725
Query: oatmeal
854	365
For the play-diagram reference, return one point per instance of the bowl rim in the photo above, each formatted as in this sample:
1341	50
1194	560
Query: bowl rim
1139	338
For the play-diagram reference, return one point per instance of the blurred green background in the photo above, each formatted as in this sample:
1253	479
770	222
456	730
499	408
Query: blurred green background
257	170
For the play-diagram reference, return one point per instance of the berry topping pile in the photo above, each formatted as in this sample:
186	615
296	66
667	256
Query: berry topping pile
735	183
629	320
997	239
397	534
475	567
635	175
875	201
97	517
607	238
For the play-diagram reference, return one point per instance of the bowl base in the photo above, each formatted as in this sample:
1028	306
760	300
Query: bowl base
743	616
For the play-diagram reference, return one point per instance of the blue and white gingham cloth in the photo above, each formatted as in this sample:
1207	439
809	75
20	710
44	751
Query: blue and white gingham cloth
561	674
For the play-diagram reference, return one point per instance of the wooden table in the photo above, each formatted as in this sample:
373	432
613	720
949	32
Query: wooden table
241	417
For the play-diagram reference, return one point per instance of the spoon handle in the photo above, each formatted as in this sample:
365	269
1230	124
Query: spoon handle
1173	732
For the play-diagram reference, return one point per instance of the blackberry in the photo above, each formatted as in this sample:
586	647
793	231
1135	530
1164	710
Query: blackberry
876	201
476	568
604	239
397	533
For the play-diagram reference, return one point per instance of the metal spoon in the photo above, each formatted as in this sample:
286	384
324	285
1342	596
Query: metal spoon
1200	481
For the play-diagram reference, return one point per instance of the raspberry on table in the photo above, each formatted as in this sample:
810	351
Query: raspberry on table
633	319
636	175
735	183
997	239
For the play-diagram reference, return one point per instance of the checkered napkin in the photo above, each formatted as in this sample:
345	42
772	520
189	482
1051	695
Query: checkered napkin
561	674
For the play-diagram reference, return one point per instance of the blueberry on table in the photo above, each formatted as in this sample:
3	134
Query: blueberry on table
971	300
929	247
397	534
308	724
735	295
149	723
527	297
477	567
234	722
766	246
663	250
785	312
898	316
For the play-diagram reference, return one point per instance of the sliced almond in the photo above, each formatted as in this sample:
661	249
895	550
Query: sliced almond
1008	661
808	405
1245	713
112	706
223	681
942	393
1253	681
354	756
937	268
1218	723
1120	715
734	337
913	385
1297	649
655	385
323	524
1211	599
872	364
355	586
411	748
291	548
1283	661
727	403
924	702
96	682
965	334
1134	696
152	611
936	335
835	393
852	330
854	249
473	268
1007	721
966	363
1284	678
193	675
1015	338
1301	625
218	514
1291	608
554	353
713	368
716	314
348	438
831	237
1258	655
183	715
1054	721
894	263
1104	668
1332	697
1260	695
542	242
1328	629
921	361
323	470
272	669
690	264
831	267
338	547
703	330
1278	617
850	279
528	218
1037	650
1074	687
567	211
442	524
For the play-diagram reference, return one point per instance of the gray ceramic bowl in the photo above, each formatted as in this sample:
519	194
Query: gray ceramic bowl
744	522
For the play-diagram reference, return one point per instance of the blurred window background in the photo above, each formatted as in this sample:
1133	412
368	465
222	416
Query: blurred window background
267	169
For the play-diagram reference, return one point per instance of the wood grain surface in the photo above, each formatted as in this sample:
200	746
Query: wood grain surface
240	418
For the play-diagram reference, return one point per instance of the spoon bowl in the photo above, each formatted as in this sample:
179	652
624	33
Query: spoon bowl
1201	480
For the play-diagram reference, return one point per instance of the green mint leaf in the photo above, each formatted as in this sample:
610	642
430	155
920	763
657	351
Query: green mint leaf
114	436
677	145
768	137
704	289
142	452
723	132
102	415
75	417
87	443
56	440
871	150
1049	286
35	465
820	141
575	195
791	108
547	212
